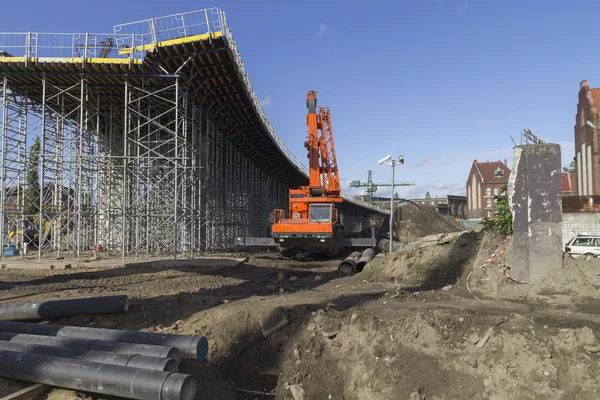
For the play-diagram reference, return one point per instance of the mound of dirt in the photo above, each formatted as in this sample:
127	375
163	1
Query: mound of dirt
577	279
432	266
414	222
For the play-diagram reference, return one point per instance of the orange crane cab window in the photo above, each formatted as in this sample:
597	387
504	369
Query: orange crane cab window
320	213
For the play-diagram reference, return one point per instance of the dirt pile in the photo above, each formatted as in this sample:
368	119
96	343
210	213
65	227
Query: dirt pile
433	266
433	354
381	334
577	279
414	222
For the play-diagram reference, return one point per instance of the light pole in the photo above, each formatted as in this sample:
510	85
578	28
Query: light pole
393	164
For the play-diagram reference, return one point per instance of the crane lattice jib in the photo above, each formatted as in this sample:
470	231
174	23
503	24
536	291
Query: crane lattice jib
329	170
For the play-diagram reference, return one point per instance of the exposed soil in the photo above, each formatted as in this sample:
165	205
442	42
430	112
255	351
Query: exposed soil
404	328
414	222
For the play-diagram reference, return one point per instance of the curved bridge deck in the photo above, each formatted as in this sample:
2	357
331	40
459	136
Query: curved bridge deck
150	141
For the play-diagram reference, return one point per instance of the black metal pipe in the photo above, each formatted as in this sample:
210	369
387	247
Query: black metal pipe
348	266
189	346
94	344
108	380
104	357
366	256
64	308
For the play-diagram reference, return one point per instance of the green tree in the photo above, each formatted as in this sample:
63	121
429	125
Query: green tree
501	222
32	193
571	167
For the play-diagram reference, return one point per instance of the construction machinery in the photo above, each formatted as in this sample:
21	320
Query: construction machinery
315	220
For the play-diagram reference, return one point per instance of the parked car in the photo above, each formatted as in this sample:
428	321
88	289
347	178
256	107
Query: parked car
584	245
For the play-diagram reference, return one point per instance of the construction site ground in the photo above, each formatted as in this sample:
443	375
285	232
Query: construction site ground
406	327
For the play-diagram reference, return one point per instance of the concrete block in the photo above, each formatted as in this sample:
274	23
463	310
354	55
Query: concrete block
534	191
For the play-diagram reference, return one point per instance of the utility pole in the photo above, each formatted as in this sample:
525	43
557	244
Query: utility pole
371	187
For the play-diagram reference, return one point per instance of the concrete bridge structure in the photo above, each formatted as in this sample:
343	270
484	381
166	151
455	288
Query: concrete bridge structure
151	141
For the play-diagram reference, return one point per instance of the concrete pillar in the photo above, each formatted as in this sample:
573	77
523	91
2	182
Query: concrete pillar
534	191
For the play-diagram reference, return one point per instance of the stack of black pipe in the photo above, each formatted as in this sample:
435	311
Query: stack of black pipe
131	364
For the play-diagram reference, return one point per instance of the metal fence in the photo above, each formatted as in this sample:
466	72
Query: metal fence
174	26
39	46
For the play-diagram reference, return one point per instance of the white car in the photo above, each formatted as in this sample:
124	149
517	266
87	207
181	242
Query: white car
583	245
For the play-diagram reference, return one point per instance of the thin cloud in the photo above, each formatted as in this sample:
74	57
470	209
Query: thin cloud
424	161
322	29
266	102
487	122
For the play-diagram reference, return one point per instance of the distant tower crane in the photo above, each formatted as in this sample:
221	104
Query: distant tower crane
371	187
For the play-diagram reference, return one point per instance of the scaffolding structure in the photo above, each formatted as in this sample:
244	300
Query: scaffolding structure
147	141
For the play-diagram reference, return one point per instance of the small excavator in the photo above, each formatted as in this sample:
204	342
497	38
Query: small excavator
313	221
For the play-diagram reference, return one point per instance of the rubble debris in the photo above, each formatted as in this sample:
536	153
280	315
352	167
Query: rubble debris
297	392
484	339
331	334
592	349
473	338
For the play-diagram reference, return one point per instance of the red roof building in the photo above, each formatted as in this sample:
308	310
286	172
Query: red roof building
485	181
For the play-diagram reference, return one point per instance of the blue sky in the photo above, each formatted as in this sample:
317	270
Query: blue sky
441	82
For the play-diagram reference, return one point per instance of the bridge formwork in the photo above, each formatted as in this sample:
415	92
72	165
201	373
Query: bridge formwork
146	141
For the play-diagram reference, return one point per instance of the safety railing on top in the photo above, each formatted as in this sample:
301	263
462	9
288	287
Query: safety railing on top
170	27
69	47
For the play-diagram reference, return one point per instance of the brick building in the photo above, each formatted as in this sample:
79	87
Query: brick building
485	181
587	168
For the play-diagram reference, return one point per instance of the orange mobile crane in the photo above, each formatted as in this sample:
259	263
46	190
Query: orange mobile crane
314	221
316	212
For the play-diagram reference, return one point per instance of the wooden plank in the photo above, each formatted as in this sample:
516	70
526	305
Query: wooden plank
28	393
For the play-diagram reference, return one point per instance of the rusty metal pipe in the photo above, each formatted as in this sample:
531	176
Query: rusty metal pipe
367	255
348	266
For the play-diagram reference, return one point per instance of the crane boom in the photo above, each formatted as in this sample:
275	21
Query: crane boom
312	145
323	178
329	169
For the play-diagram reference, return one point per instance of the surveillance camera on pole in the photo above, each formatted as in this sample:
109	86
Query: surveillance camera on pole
393	165
385	159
